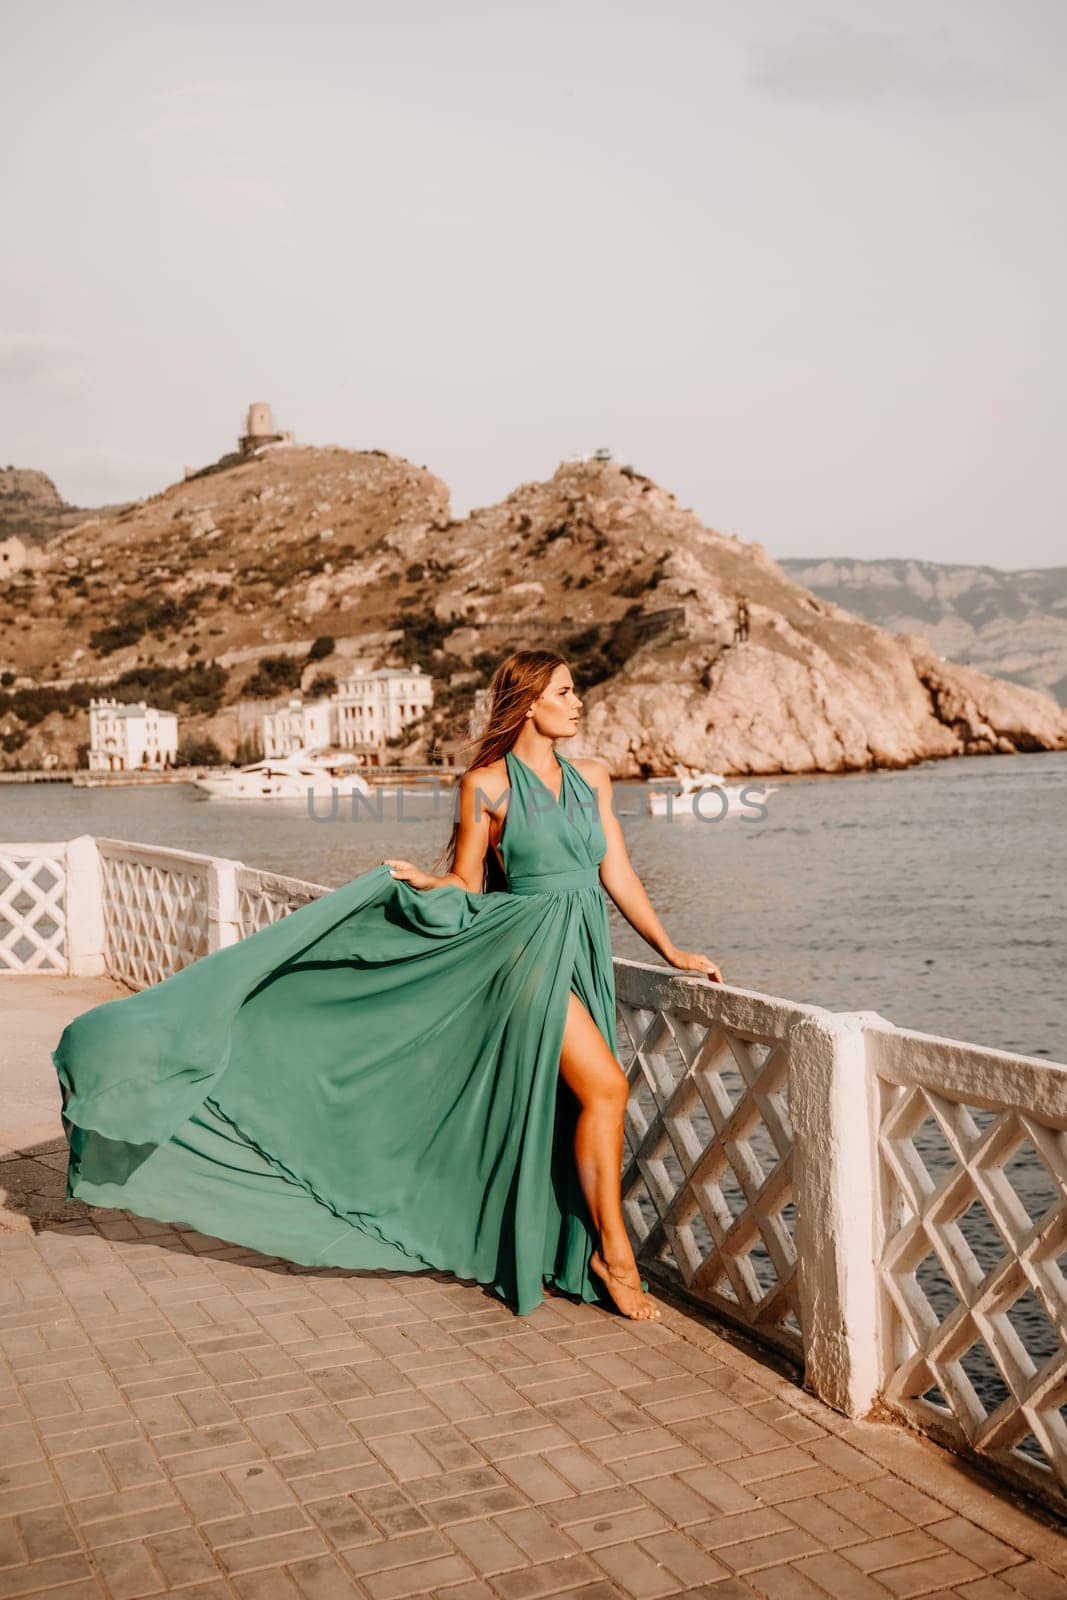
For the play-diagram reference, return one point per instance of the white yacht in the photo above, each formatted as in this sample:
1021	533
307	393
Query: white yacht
289	777
692	799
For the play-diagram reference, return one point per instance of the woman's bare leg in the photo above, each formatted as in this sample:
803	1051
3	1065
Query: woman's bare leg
588	1067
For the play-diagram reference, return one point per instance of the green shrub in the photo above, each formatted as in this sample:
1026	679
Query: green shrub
199	751
273	675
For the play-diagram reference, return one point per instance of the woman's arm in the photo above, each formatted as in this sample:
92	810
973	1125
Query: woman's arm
472	841
625	887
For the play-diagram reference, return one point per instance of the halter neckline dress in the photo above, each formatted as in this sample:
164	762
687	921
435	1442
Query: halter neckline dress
373	1081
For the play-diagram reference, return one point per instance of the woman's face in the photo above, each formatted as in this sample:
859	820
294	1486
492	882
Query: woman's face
556	712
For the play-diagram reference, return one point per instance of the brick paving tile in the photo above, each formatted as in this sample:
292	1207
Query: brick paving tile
581	1470
487	1547
138	1525
535	1478
536	1537
959	1486
476	1589
403	1581
928	1577
846	1461
566	1576
616	1501
1035	1581
129	1571
603	1531
894	1551
687	1561
786	1583
678	1502
726	1530
182	1556
876	1519
272	1551
253	1525
907	1502
580	1420
391	1509
636	1572
830	1527
748	1555
656	1463
181	1415
718	1490
406	1550
839	1578
726	1589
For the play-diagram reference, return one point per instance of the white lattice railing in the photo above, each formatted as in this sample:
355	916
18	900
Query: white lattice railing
156	909
33	907
888	1206
973	1190
708	1179
266	897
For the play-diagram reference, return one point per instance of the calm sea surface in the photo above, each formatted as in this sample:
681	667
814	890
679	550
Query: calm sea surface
934	896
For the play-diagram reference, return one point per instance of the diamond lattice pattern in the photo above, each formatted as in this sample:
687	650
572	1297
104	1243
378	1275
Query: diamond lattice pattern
707	1181
263	900
976	1233
33	921
156	919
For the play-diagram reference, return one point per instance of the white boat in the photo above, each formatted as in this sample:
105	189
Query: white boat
709	796
289	777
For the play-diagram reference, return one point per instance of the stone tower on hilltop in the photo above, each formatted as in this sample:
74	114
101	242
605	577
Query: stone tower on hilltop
260	429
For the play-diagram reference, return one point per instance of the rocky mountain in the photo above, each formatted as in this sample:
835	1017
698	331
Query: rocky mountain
32	508
262	575
1013	624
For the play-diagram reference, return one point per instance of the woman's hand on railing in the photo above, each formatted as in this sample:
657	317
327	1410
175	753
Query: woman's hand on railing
410	873
693	961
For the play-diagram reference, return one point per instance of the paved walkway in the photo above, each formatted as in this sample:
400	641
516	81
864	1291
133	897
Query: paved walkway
182	1415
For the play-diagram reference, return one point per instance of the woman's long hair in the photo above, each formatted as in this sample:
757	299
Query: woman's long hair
515	685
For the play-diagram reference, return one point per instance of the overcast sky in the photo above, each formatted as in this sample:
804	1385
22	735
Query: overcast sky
802	263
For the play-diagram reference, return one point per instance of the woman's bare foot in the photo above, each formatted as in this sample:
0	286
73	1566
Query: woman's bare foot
625	1289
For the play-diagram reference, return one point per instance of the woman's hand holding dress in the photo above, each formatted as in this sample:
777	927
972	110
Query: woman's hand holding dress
410	873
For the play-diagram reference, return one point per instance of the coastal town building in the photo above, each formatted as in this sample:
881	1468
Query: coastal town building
126	737
375	706
366	710
299	725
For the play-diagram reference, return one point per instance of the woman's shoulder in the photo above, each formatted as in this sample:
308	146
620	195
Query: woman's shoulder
593	769
493	774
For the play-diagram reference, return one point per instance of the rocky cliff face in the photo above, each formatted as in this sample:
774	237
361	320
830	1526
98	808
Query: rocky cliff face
1013	624
651	599
598	562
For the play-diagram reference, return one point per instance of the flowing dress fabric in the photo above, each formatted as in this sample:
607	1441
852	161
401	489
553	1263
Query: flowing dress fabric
373	1081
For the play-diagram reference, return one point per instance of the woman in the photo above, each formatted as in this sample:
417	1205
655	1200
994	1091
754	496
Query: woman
405	1073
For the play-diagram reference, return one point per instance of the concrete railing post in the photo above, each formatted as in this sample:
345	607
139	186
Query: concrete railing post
223	921
86	945
832	1109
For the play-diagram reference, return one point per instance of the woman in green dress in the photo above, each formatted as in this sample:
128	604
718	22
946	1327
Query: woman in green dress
414	1071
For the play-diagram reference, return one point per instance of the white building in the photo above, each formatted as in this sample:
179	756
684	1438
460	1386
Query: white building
372	707
125	737
298	726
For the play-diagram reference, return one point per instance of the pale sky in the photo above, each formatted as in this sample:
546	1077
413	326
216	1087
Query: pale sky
803	264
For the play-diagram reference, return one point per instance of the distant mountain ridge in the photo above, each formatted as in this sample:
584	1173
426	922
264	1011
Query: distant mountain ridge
1011	624
33	510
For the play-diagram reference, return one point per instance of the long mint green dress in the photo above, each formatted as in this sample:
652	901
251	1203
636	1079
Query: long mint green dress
373	1081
